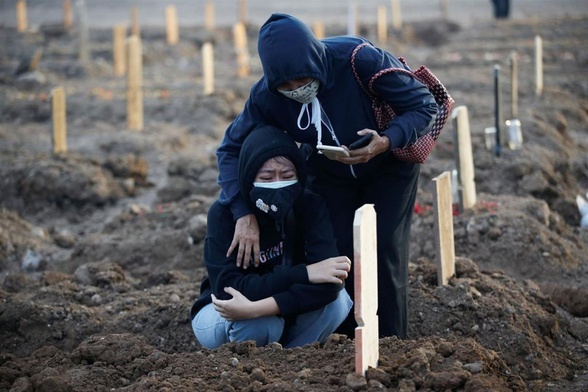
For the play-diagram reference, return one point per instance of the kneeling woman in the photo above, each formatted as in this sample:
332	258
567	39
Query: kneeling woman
295	295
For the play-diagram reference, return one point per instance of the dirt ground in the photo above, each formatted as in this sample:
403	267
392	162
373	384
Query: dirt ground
101	248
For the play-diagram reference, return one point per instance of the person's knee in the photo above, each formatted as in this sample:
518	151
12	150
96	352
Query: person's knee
263	330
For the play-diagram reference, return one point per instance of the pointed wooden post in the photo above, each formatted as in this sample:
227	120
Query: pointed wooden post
465	159
208	68
352	19
135	28
241	50
21	16
209	23
382	25
445	251
365	267
538	65
134	84
396	15
242	17
119	59
67	15
59	120
83	50
171	24
319	29
514	83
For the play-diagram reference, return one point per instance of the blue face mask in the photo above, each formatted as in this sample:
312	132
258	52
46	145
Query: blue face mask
275	200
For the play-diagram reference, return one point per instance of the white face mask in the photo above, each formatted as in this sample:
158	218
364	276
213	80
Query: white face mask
304	94
274	184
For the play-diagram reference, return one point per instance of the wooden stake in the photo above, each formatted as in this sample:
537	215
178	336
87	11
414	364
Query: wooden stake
134	83
84	51
396	15
242	11
538	65
319	29
208	68
135	28
209	15
67	15
514	83
243	60
21	16
443	7
465	159
171	24
382	25
59	120
365	259
445	255
352	18
497	111
118	50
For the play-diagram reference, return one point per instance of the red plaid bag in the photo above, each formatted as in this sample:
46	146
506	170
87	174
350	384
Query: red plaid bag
418	151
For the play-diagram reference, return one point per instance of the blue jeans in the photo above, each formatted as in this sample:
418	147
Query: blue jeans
212	330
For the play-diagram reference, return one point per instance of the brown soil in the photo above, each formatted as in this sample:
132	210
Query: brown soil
101	248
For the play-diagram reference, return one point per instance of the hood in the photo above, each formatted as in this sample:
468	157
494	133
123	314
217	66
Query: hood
289	50
263	143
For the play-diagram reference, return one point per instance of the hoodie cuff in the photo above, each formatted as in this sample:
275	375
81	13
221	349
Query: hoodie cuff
239	208
395	137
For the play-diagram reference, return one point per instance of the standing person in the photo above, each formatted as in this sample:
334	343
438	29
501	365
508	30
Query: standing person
501	8
295	296
309	89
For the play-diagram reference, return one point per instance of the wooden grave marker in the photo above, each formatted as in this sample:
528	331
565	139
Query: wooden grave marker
208	67
83	34
135	28
134	83
445	251
242	16
365	259
465	159
382	25
396	15
119	58
209	22
319	29
67	15
241	50
171	24
514	83
21	16
59	122
538	65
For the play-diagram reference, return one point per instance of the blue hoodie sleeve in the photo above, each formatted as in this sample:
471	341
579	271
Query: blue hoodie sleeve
228	157
413	103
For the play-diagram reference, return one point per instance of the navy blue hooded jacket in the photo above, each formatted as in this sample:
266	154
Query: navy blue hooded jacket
289	50
310	238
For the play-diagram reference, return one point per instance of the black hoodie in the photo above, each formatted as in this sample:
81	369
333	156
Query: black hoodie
311	239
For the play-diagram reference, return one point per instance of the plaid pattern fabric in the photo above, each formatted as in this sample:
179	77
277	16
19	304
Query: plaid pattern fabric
419	150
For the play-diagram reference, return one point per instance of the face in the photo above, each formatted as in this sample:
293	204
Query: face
293	84
276	169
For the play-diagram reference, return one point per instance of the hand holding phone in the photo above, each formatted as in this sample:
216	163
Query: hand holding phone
332	152
362	141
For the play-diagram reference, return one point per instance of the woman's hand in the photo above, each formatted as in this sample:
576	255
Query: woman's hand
236	308
241	308
333	270
246	240
378	145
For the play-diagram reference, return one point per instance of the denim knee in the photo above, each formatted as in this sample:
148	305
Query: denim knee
262	330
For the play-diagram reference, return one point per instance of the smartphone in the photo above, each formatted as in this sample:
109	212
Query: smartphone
361	142
332	152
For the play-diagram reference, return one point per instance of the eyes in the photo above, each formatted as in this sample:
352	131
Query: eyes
287	175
